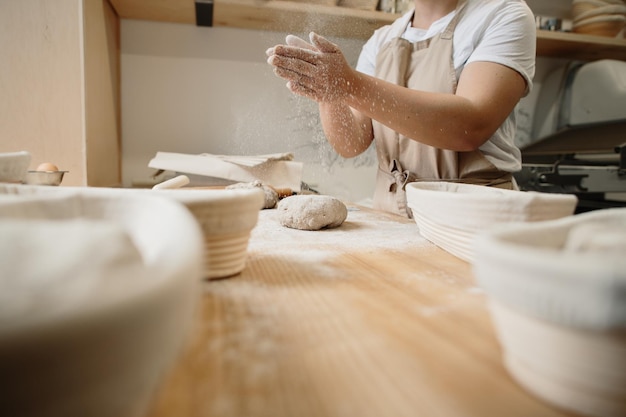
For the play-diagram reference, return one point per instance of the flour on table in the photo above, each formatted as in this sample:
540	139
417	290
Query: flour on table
362	232
312	212
359	232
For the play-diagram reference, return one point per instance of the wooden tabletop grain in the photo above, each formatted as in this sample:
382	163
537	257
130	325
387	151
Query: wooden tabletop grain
368	319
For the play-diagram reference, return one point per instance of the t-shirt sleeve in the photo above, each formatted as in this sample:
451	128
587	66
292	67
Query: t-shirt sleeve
510	39
367	58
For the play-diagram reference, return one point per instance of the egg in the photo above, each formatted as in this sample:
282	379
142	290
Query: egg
47	166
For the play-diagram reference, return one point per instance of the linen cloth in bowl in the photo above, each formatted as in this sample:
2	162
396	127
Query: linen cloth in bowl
450	214
97	298
557	294
226	217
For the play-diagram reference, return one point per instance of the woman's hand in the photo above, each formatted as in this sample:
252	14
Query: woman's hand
317	70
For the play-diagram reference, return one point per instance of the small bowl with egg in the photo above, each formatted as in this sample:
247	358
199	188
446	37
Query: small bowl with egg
45	174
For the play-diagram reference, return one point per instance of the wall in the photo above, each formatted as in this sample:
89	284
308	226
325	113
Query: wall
192	90
41	88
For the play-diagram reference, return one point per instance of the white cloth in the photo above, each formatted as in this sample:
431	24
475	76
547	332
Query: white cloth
52	267
500	31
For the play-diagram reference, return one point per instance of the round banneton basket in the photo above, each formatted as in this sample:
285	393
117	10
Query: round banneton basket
97	295
450	214
226	218
557	295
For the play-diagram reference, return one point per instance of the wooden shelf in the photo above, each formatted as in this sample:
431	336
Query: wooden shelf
301	17
274	15
287	16
579	47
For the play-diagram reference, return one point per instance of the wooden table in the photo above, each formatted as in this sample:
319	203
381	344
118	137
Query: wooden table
368	319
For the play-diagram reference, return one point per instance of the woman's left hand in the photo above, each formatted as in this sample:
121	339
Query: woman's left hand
317	70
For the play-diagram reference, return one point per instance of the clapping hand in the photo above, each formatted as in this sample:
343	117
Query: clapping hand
317	70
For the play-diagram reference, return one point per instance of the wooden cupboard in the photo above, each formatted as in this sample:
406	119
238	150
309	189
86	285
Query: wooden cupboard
59	86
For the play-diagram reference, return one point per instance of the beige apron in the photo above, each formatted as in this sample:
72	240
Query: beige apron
427	65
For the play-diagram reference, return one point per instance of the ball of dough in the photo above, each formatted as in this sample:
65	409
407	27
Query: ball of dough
271	196
311	212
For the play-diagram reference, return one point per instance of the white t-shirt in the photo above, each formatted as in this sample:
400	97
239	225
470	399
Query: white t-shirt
500	31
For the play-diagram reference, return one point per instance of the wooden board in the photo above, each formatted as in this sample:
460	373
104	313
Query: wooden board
177	11
289	16
275	15
365	320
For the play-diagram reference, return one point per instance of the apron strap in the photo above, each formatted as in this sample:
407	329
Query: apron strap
401	177
448	33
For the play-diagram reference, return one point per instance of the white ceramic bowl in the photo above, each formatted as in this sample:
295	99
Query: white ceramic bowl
226	218
557	292
87	346
13	166
451	214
